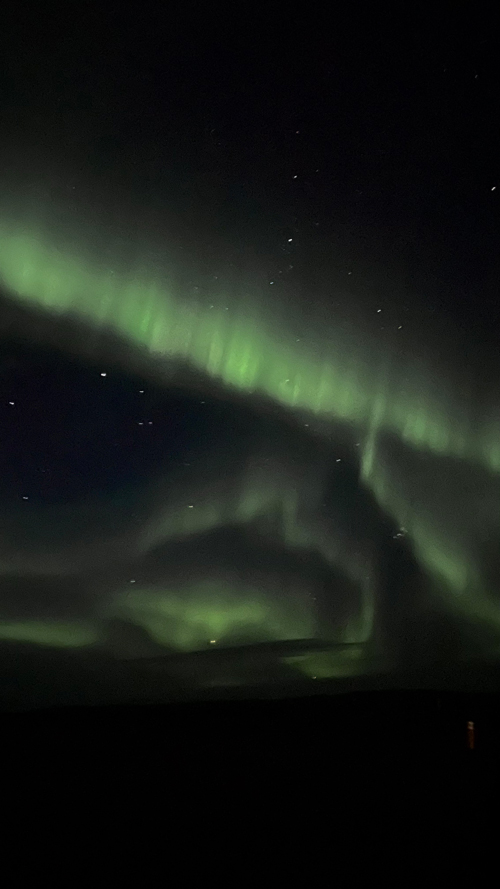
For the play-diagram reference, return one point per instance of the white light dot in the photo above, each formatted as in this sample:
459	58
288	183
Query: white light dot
494	188
290	240
213	641
295	177
379	310
400	327
190	506
25	498
140	423
11	402
103	374
150	422
141	391
338	460
131	581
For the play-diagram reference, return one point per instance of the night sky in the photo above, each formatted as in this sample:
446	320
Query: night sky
249	327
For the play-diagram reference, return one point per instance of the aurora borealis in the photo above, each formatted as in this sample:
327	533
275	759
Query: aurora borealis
246	447
352	413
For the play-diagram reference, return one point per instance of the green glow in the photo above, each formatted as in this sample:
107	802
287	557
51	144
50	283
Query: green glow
235	337
454	568
58	634
331	664
238	341
189	619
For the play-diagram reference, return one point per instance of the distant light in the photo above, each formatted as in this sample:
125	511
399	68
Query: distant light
25	498
191	506
379	310
213	641
131	581
290	240
494	188
103	374
141	391
337	460
11	402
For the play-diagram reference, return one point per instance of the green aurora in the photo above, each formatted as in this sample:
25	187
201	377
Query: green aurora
339	372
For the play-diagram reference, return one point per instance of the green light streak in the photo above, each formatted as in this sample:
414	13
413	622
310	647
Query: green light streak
52	634
236	339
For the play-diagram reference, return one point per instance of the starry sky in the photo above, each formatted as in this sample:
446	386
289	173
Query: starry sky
249	371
